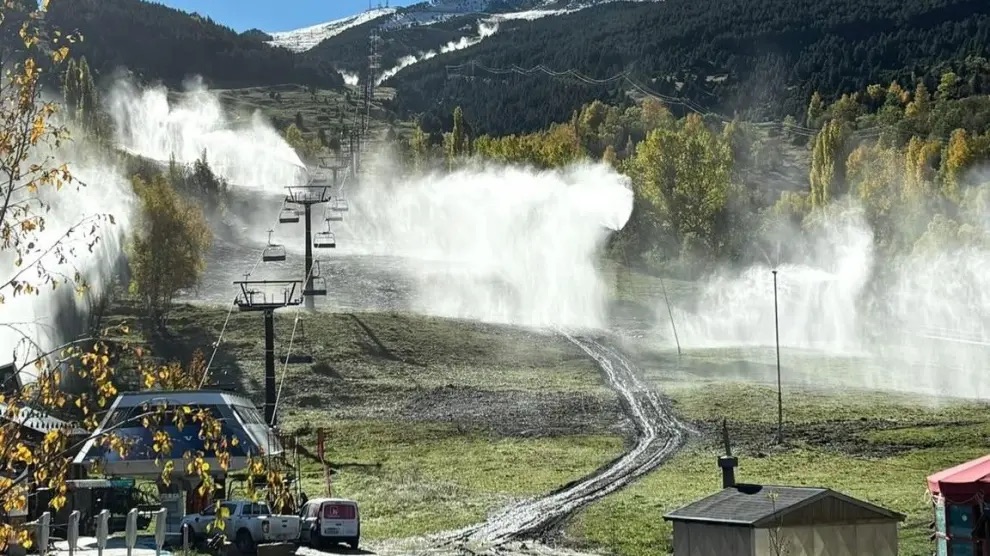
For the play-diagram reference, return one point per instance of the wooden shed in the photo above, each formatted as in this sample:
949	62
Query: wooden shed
756	520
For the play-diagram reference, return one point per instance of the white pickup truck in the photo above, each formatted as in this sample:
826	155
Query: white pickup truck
247	525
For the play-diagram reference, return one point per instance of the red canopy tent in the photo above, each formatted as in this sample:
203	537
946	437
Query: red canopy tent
963	483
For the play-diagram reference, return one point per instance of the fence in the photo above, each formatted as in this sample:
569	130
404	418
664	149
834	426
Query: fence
43	536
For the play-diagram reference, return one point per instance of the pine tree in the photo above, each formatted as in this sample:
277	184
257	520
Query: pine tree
88	101
457	139
419	145
70	88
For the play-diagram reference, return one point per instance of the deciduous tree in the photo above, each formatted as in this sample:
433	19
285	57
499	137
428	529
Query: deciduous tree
168	253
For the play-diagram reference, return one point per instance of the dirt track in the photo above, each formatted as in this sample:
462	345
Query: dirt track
659	436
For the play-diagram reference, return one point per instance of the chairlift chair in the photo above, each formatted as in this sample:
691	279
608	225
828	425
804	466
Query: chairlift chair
317	286
340	205
273	252
288	216
324	240
335	217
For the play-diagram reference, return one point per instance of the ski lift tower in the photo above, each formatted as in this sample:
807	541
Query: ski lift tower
374	64
267	296
307	196
335	168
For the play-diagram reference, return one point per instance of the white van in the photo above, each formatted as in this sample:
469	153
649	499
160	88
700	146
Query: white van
329	521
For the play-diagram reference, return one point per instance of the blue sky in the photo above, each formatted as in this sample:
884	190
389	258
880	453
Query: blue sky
274	15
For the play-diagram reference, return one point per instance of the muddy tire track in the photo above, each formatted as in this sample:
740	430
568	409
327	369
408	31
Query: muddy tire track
658	436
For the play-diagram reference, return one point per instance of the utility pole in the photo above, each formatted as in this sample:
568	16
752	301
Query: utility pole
266	296
670	313
780	395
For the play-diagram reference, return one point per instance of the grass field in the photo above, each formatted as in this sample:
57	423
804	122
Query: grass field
874	446
441	421
437	421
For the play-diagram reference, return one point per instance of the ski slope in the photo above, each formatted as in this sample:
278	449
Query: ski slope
301	40
429	13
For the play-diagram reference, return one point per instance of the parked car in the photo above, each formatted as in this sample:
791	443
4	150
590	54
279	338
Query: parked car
247	525
329	521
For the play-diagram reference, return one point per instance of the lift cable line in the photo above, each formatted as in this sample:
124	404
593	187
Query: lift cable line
312	270
867	132
248	302
216	345
285	364
233	304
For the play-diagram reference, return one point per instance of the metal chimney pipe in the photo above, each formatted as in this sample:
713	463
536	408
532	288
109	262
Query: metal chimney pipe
728	465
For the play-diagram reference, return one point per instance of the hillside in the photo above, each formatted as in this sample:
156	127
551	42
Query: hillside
423	14
161	43
762	58
348	50
301	40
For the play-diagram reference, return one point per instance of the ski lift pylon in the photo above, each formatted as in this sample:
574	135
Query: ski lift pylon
273	252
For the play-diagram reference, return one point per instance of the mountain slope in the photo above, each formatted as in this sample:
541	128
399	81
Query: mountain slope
160	43
417	29
300	40
762	58
348	50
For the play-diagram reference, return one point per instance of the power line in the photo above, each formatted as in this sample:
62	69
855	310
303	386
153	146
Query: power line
625	76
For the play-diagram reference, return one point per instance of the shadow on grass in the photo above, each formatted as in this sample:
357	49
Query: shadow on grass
380	349
182	337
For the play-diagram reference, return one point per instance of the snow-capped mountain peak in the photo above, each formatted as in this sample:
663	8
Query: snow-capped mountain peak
300	40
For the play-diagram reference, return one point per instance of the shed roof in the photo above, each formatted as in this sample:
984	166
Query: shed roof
953	479
752	505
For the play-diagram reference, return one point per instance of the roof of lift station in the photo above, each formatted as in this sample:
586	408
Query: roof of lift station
241	420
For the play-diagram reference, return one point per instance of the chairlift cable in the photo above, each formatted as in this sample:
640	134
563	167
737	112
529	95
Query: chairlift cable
216	345
288	352
797	129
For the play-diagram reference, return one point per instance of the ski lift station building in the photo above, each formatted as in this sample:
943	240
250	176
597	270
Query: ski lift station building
240	418
757	520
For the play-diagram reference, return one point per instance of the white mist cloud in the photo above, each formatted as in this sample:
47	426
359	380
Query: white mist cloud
917	323
37	318
350	78
247	152
498	244
485	29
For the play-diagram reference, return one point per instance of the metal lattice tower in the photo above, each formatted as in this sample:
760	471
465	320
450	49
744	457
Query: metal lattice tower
374	65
